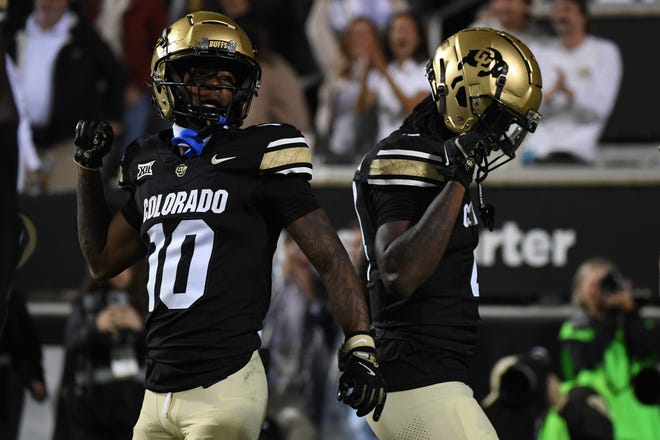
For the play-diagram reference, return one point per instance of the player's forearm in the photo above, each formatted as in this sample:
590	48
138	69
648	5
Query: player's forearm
347	298
318	239
93	218
413	257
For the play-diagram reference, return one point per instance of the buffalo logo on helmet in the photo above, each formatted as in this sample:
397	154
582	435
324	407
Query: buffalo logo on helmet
488	60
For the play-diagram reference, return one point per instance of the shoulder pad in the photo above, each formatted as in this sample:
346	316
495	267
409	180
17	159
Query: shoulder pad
408	159
126	180
286	151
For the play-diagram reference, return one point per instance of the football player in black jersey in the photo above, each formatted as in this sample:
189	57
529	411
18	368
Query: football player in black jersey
207	203
419	229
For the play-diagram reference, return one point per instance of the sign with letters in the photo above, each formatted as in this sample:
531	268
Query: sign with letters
542	233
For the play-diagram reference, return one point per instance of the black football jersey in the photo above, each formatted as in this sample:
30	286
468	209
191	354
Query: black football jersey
428	337
211	225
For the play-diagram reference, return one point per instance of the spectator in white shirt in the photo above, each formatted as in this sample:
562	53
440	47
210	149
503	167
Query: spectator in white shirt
67	73
581	78
28	160
514	17
343	133
395	80
328	20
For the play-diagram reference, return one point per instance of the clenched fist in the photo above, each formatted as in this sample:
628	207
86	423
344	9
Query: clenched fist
94	140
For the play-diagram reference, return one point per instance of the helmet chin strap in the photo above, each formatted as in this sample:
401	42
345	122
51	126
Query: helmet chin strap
193	141
486	210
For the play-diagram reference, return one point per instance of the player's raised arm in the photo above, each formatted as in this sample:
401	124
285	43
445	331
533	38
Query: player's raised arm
108	244
408	252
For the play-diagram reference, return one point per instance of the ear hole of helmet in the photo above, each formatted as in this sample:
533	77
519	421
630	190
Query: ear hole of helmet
461	97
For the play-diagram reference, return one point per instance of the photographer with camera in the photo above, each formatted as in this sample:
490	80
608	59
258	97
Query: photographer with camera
102	381
527	401
606	343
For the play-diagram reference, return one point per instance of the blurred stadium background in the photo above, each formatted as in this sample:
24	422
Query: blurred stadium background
548	220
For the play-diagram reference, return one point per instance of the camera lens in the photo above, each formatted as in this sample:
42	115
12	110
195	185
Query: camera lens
612	282
646	385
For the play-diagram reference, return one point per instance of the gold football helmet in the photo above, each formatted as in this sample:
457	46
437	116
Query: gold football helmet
487	81
203	39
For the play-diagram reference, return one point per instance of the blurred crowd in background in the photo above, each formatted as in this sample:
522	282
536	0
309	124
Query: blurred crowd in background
345	72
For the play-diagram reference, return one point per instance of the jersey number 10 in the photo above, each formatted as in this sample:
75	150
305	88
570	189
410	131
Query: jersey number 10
189	246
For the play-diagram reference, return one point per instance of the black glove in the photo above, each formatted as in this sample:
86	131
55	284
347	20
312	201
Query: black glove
469	145
462	152
361	385
94	140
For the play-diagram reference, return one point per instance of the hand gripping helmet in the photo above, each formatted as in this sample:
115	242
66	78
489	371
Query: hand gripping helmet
487	81
206	39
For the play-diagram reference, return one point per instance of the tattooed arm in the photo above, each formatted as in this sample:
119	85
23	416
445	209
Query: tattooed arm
108	244
318	239
407	254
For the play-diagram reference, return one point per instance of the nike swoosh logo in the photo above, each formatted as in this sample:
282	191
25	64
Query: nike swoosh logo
369	370
216	160
446	156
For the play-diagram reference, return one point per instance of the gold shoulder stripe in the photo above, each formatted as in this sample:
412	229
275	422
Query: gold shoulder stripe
405	168
284	157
